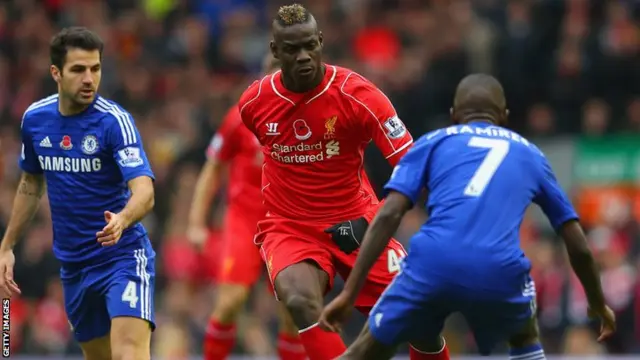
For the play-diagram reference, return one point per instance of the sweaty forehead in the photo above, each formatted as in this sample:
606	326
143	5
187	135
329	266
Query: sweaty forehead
296	34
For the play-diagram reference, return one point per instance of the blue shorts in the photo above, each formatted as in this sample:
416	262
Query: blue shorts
95	294
411	310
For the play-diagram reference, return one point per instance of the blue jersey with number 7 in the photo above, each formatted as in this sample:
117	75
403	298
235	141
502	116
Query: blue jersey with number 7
480	179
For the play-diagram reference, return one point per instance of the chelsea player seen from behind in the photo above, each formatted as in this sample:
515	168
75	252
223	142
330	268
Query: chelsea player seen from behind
86	151
466	258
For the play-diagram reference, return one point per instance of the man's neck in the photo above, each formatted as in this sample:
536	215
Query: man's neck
479	118
69	108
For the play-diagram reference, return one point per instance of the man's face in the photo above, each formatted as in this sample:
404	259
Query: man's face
299	49
80	75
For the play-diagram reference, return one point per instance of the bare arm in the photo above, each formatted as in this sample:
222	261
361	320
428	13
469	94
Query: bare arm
583	263
382	228
141	201
25	205
209	182
1	163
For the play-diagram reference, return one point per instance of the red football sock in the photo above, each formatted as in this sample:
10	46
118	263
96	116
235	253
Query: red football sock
443	354
320	344
290	347
218	340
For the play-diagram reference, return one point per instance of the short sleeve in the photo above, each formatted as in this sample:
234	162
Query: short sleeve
126	144
551	199
409	177
28	158
382	124
244	104
225	144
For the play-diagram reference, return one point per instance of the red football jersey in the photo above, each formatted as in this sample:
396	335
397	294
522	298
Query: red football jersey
314	142
235	145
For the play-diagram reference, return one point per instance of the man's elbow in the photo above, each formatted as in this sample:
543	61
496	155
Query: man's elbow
575	240
151	202
391	215
395	206
150	199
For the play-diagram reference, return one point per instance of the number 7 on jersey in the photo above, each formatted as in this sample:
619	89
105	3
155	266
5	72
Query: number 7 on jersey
498	150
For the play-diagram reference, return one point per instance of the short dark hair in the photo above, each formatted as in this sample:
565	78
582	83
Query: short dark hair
292	15
73	37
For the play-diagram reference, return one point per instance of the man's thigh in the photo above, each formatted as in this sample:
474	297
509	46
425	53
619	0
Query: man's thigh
130	338
382	273
407	311
130	287
284	243
494	322
86	308
96	294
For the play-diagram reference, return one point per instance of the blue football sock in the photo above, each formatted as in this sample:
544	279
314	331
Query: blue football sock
531	352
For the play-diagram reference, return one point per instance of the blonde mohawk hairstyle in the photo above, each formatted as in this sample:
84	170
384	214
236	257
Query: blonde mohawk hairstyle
292	15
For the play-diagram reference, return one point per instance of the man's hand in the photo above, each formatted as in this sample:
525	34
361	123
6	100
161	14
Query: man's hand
7	285
336	313
197	235
111	233
348	235
608	322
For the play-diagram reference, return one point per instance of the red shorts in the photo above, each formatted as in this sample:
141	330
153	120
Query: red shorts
285	242
240	262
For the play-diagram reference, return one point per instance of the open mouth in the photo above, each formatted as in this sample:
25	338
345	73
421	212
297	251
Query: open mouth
305	71
86	92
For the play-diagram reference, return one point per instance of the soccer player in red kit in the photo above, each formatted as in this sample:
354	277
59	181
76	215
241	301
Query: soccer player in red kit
314	121
235	155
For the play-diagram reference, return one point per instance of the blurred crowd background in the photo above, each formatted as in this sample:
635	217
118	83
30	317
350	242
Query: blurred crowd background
571	69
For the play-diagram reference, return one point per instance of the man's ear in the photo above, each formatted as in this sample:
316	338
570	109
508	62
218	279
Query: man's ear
56	73
452	116
274	49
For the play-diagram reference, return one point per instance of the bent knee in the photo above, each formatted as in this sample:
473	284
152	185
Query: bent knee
229	303
130	348
304	308
300	288
299	302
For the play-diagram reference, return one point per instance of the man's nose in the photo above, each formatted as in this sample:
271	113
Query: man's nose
303	57
87	78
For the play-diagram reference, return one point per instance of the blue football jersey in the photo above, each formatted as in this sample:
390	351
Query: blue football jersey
87	160
480	179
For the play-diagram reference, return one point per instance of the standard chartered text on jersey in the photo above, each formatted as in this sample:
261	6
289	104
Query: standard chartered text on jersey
302	153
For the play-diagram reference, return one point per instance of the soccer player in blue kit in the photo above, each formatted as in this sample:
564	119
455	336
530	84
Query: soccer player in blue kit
87	153
480	179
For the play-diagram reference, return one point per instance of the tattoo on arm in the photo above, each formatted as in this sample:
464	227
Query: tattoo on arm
25	205
31	185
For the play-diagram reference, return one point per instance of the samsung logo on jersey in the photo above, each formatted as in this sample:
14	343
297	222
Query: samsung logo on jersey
67	164
487	131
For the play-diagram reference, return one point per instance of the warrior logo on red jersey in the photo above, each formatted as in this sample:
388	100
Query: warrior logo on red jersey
302	130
